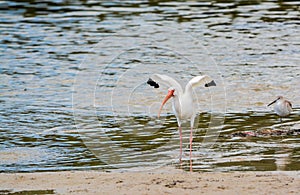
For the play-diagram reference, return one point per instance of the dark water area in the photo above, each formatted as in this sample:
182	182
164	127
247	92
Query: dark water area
73	94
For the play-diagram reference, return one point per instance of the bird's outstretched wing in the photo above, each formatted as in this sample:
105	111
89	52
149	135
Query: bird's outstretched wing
204	81
166	80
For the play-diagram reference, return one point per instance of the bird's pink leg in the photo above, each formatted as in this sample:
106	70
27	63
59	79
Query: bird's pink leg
180	155
191	140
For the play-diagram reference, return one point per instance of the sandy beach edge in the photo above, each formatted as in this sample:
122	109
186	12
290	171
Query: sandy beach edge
157	182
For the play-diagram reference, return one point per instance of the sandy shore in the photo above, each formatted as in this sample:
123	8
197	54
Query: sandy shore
156	182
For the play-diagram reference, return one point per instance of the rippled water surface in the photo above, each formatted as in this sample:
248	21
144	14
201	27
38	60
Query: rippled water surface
74	94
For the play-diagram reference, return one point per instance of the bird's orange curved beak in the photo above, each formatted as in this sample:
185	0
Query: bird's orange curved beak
169	95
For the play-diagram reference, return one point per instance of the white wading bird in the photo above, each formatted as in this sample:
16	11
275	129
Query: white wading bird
282	106
184	106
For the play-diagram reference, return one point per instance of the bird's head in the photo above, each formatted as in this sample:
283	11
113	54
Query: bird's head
279	97
168	96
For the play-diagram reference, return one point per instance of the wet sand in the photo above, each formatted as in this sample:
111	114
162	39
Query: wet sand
156	182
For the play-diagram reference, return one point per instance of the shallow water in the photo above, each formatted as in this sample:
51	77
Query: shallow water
73	91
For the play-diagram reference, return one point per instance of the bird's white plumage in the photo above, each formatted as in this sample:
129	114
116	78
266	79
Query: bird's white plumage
168	81
184	106
282	107
198	81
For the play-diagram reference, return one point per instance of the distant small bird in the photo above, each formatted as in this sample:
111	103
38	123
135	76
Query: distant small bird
282	106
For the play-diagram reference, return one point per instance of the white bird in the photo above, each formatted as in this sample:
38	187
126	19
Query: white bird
282	106
184	106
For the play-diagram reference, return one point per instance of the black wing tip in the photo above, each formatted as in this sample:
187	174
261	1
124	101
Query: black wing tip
152	83
211	83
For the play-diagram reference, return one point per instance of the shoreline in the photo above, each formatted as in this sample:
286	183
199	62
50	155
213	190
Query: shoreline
163	181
